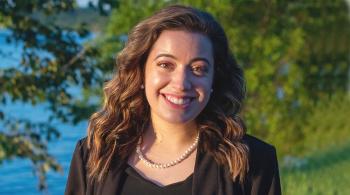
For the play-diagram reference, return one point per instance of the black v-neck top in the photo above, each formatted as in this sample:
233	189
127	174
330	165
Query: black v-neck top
133	183
209	177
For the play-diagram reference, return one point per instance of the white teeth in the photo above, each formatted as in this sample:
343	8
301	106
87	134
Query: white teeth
178	101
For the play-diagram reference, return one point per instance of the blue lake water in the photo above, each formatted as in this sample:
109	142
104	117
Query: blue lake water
16	175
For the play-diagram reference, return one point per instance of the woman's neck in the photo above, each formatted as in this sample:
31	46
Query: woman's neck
172	136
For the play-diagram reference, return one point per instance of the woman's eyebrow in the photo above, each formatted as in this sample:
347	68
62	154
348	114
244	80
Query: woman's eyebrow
200	59
164	55
191	61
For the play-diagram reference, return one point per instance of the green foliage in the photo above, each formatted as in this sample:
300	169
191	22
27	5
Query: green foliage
324	172
328	125
51	61
278	44
323	157
79	19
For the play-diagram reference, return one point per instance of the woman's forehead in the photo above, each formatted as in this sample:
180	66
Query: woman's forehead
183	45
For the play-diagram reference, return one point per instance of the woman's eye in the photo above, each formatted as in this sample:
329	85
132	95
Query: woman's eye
199	70
164	65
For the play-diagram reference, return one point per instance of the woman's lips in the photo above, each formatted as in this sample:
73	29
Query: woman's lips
178	101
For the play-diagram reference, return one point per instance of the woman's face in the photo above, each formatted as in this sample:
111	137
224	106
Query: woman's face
178	76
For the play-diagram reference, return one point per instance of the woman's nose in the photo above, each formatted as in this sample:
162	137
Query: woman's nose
181	80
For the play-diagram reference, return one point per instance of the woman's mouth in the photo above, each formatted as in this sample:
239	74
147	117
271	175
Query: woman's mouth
178	101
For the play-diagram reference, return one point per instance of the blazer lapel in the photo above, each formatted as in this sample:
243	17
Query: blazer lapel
205	176
113	181
209	178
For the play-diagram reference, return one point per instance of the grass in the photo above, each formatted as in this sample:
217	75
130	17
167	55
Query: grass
324	172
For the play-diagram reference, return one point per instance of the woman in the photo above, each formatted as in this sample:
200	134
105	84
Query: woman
169	123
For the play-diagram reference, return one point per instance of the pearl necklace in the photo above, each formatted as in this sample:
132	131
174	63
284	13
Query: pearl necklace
165	165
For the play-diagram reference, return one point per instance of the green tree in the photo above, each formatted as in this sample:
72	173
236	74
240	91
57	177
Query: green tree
52	60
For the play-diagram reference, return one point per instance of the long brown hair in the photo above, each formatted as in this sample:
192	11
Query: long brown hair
114	131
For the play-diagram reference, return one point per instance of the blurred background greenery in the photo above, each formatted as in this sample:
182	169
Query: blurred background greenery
296	57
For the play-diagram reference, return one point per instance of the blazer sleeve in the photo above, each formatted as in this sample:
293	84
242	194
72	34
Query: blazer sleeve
267	180
76	183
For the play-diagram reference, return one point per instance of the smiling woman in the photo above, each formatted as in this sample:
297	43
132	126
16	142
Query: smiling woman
170	121
177	83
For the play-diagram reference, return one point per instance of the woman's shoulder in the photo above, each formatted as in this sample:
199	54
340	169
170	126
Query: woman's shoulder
77	180
257	145
81	149
263	167
261	154
82	143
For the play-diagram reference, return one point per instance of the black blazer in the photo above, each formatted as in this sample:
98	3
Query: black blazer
209	178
